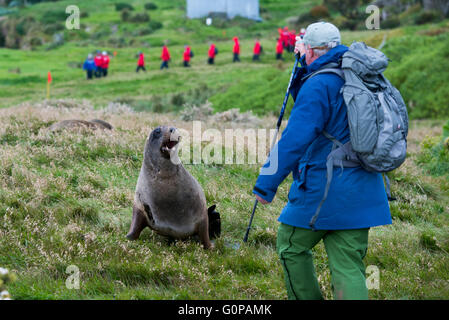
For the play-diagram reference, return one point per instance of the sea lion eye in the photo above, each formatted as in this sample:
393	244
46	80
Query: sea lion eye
156	133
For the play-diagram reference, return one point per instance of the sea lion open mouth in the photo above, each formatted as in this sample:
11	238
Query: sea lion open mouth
169	145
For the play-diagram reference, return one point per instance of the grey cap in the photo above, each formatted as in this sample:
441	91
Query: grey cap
321	34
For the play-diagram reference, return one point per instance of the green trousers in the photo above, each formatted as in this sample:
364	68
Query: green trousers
345	250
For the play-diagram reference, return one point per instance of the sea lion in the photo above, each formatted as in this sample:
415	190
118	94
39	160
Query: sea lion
71	124
168	198
102	124
214	222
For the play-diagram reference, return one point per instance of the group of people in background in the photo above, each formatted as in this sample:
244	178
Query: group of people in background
286	41
99	65
165	57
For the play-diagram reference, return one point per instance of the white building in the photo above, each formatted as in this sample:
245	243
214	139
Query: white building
244	8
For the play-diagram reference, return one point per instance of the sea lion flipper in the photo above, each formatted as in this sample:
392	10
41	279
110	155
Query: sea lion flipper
102	124
137	225
214	222
203	232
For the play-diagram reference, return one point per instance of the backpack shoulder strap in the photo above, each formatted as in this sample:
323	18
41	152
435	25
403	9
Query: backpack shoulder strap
341	156
336	71
328	68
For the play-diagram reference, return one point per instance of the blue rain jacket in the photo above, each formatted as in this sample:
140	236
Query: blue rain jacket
89	65
357	198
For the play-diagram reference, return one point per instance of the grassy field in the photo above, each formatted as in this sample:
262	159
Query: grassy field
66	198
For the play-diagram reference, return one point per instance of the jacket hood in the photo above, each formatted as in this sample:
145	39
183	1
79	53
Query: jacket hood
334	55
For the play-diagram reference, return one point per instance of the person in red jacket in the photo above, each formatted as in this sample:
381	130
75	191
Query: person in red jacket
187	55
141	62
98	64
279	50
212	53
236	50
285	37
165	56
292	41
257	50
105	65
281	35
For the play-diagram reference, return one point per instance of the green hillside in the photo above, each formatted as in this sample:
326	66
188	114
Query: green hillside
416	69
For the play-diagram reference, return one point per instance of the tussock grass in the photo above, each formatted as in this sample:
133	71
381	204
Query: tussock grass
66	197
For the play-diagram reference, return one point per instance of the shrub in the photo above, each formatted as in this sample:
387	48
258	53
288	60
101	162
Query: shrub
35	41
220	22
305	18
12	41
348	8
193	112
21	28
53	16
101	34
118	42
155	25
429	241
264	13
53	28
408	16
427	16
177	99
319	12
434	155
122	6
150	6
446	130
390	23
143	31
125	15
157	104
344	23
140	18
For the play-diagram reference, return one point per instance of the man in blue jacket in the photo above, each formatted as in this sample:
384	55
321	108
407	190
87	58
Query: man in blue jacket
357	199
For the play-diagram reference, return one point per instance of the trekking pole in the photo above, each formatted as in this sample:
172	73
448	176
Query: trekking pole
278	126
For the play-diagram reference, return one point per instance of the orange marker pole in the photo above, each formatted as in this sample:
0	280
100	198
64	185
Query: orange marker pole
49	80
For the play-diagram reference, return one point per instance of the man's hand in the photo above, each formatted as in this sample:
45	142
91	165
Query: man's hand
299	46
262	201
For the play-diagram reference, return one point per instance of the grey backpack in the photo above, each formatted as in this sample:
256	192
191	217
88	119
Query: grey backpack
377	116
